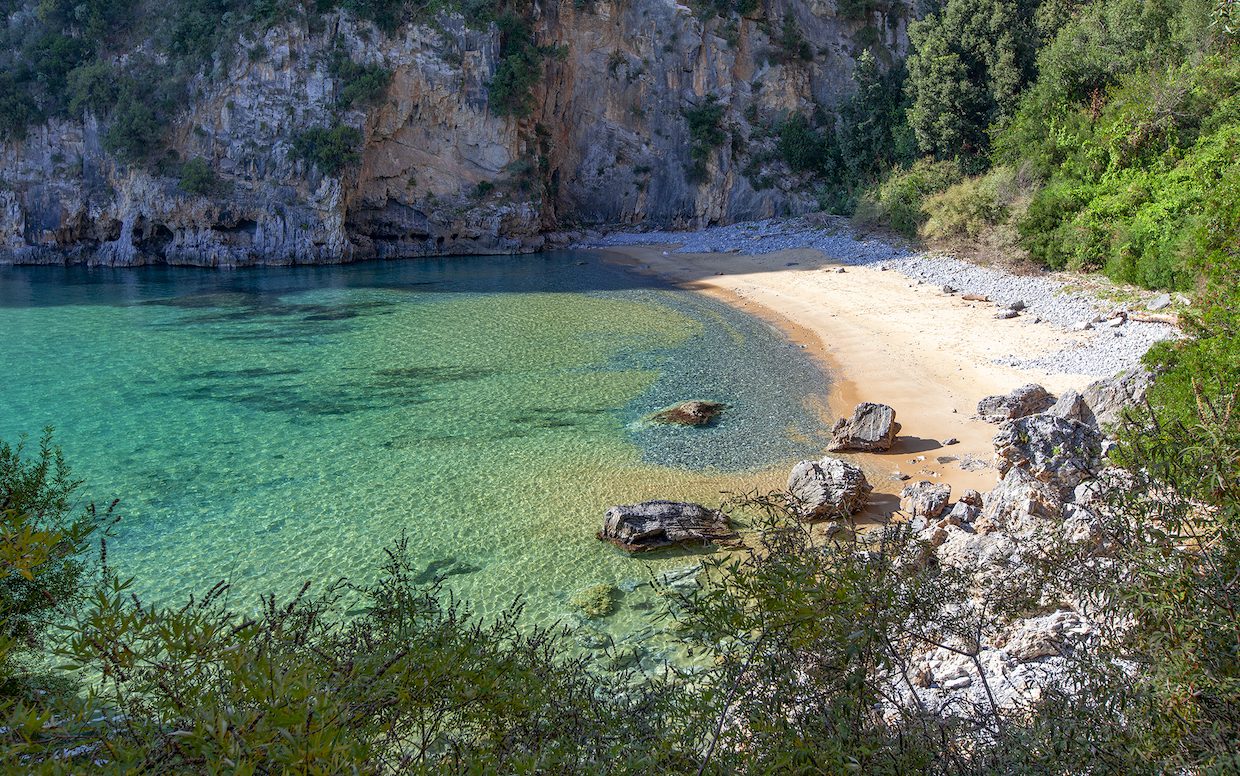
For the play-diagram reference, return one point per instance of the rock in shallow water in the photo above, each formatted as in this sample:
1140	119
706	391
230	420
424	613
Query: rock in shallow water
653	525
871	427
829	488
690	413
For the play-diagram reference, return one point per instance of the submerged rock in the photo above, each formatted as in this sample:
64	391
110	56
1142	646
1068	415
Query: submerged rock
871	427
925	499
595	601
829	488
652	525
690	413
1025	400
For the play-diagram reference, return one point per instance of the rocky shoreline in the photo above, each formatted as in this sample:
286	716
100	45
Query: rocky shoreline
1050	454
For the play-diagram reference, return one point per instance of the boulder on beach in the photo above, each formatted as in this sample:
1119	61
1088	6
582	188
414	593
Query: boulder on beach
871	427
925	499
829	488
1025	400
653	525
690	413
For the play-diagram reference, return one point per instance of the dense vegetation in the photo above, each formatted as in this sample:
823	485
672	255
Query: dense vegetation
132	65
801	643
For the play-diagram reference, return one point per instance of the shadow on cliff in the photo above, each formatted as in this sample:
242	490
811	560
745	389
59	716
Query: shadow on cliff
263	286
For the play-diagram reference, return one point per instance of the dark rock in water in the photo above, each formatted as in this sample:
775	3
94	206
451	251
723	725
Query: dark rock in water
829	488
925	499
871	427
1025	400
690	413
652	525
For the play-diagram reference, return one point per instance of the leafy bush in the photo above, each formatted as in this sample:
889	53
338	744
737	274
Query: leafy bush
974	205
970	62
42	572
804	148
897	201
197	177
520	67
134	129
706	133
330	150
359	84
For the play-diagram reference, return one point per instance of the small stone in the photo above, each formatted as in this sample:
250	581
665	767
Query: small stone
839	270
1114	323
951	440
1004	315
1081	326
975	297
949	290
957	683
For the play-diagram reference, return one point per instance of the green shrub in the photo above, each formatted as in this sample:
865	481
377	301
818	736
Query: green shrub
93	88
897	201
706	133
134	129
805	149
972	206
330	150
971	60
197	177
42	571
520	68
359	84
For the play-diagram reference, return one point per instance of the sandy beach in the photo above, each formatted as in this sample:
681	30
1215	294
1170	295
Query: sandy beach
885	338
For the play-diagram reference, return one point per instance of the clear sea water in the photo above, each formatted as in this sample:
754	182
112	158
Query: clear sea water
270	426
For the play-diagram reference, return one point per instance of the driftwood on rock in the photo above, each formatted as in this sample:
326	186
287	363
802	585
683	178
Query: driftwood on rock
871	427
653	525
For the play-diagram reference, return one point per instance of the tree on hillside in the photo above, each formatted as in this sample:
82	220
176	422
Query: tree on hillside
972	58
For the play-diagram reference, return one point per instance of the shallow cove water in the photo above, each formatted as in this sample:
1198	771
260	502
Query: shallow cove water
270	426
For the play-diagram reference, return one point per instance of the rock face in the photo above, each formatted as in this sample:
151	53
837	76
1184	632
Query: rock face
925	499
1025	400
872	427
653	525
1106	399
440	168
1054	450
829	488
690	413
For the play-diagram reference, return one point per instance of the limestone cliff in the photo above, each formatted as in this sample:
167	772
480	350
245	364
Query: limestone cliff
440	171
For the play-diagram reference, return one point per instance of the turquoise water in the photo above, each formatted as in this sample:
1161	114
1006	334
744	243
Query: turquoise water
274	425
